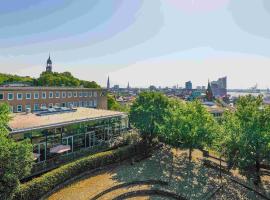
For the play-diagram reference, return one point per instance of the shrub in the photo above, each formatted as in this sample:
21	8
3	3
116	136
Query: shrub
38	187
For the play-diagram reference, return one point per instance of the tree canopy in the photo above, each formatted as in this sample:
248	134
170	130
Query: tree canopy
15	158
246	138
148	112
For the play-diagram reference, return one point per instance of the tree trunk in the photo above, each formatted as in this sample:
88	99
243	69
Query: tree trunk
190	154
257	180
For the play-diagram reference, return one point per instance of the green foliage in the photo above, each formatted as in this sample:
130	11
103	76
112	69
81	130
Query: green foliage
189	125
246	141
114	105
148	112
38	187
50	79
8	78
63	79
15	158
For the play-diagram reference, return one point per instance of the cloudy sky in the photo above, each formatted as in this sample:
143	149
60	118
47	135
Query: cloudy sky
160	42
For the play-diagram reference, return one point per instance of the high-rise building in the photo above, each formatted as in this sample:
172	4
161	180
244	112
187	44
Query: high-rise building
49	65
219	87
188	85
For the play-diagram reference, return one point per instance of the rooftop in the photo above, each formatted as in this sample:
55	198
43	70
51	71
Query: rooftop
25	122
8	87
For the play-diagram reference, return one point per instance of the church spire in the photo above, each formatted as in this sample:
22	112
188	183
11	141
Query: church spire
209	92
49	64
108	83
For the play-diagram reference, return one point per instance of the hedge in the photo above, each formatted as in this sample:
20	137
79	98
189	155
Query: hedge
38	187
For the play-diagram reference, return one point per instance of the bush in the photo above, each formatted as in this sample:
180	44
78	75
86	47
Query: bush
38	187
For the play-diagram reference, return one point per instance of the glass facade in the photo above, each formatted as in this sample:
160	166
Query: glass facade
76	136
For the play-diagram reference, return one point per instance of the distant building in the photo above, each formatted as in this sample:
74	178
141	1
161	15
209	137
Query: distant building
209	92
108	83
116	87
49	65
219	87
128	87
188	85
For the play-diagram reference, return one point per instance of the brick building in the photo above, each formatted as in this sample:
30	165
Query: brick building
22	99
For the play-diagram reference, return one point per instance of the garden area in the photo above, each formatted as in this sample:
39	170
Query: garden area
168	169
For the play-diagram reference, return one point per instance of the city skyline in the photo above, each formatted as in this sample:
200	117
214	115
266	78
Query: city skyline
162	43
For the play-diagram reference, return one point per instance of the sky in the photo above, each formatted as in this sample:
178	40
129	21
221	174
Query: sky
143	42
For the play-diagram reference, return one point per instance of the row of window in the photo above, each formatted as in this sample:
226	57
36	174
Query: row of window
19	108
10	96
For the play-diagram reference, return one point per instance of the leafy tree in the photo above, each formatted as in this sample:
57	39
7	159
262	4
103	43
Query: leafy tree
114	105
148	112
15	158
191	126
248	136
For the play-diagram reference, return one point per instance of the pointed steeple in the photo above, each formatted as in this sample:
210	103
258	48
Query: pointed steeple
209	92
128	86
108	83
49	64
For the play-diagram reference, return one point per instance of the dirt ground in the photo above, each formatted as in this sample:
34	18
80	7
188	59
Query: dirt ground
191	180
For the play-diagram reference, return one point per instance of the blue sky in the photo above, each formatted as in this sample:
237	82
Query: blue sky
161	42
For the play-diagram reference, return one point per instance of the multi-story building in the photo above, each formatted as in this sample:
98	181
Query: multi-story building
22	99
188	85
219	87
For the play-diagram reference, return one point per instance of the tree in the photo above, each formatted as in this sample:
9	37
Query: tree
191	126
114	105
148	112
15	158
248	136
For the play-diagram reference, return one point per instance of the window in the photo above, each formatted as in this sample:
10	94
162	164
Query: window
27	107
43	106
75	94
50	105
57	94
90	103
36	106
43	95
19	96
80	94
10	96
80	104
75	104
50	95
90	93
95	94
19	108
85	94
11	108
57	105
69	94
28	95
36	95
64	94
1	96
70	104
95	103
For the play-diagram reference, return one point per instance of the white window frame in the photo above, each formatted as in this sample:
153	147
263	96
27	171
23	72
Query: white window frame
57	94
95	93
20	107
28	94
64	96
27	106
18	96
69	94
95	103
90	94
36	106
74	94
43	97
80	94
10	99
50	95
37	95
